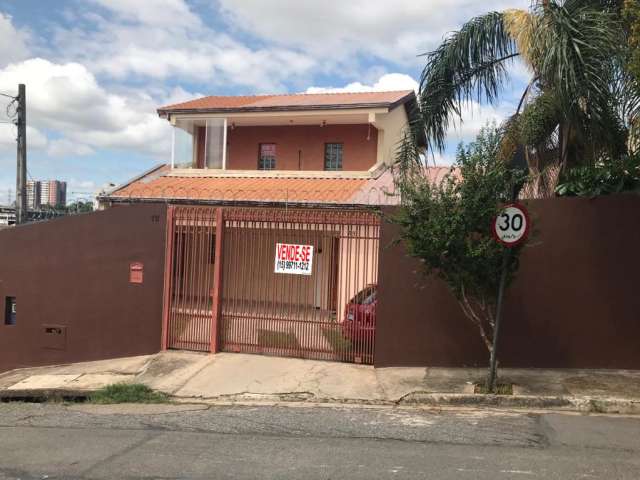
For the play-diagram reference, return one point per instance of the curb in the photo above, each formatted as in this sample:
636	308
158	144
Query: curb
605	405
610	405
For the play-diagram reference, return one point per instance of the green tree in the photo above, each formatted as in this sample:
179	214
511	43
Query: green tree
448	226
581	100
79	206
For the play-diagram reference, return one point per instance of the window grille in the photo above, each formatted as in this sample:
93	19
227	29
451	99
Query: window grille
333	156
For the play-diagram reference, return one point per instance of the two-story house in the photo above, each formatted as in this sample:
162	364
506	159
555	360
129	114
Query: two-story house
272	243
307	149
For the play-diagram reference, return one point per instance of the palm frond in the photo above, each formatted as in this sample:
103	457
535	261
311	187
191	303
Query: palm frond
468	65
575	45
521	26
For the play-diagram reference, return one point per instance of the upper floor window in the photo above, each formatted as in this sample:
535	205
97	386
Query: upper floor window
267	156
333	156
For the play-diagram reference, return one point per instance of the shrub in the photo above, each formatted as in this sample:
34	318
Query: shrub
127	393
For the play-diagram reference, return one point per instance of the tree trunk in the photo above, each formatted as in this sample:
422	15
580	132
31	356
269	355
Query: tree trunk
563	145
493	363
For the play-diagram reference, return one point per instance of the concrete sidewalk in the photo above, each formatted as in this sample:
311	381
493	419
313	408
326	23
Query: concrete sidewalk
231	377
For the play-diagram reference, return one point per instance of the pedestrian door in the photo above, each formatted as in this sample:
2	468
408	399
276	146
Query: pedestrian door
191	240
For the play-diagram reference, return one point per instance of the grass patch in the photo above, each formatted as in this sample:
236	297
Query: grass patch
127	393
596	406
271	339
501	389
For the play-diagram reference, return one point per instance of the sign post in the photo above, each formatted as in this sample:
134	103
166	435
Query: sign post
510	228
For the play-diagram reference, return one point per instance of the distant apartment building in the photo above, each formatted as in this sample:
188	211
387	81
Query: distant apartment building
52	193
33	194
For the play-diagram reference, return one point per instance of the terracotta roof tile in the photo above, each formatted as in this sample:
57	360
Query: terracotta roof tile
438	173
253	189
291	101
164	184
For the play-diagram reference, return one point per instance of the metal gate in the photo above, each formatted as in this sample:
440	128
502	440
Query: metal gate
189	284
222	290
329	314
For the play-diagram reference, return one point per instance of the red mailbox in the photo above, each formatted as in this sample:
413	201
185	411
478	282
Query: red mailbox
136	272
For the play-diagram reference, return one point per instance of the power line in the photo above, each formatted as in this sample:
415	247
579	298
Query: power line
14	103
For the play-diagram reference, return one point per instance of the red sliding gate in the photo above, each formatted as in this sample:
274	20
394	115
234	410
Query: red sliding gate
225	289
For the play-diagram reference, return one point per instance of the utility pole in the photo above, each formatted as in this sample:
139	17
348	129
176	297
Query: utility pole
21	176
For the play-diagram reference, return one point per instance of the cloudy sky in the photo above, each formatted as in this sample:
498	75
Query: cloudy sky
96	70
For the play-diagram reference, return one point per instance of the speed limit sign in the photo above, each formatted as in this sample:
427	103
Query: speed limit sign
511	226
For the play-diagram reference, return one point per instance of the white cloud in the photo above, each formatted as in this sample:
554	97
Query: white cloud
439	159
336	30
520	72
81	190
62	95
474	117
13	42
159	40
165	13
387	82
179	95
224	62
76	186
7	136
36	140
64	147
83	184
143	43
66	98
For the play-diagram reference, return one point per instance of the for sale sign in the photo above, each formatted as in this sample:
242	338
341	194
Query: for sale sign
294	259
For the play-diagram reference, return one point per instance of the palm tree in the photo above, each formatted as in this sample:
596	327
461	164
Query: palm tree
579	106
581	100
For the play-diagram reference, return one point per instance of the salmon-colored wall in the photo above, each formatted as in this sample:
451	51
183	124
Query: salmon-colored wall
359	154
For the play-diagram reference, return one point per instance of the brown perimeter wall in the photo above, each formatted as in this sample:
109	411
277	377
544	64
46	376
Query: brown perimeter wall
73	273
574	304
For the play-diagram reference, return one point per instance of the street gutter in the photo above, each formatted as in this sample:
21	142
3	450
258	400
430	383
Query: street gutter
579	404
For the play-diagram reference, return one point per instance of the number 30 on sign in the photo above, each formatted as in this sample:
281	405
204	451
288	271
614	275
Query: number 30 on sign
511	226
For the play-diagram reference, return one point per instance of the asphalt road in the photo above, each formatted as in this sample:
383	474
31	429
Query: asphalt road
39	441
